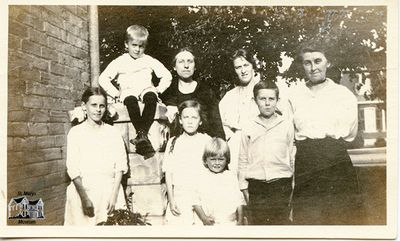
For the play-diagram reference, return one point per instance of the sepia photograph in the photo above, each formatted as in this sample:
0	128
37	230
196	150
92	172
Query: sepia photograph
255	119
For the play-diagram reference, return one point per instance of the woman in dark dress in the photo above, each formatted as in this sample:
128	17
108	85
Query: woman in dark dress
186	88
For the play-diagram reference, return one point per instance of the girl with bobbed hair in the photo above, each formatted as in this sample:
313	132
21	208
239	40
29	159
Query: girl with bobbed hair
218	200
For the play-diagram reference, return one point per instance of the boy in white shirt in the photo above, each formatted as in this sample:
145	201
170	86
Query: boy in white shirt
133	73
266	160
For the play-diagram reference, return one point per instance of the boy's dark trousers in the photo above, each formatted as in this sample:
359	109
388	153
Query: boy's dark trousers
269	201
142	123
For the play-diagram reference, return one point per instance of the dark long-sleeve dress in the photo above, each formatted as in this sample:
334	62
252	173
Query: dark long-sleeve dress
206	97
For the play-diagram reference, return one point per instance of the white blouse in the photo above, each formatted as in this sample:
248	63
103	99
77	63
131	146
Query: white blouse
237	107
327	111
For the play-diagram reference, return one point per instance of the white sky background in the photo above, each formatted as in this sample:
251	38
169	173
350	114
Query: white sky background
283	88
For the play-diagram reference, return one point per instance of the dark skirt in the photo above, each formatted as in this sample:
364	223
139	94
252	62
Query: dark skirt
326	185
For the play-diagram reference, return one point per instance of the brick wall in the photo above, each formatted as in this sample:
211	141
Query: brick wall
48	69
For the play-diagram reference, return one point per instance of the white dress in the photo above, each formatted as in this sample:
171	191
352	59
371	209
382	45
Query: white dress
219	196
185	163
95	155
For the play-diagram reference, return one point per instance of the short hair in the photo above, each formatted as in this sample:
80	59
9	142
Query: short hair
217	146
137	32
265	84
243	53
93	91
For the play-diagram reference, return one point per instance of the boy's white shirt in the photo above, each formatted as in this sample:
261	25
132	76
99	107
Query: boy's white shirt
260	156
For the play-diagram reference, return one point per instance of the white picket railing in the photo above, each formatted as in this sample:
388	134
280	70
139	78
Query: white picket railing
372	131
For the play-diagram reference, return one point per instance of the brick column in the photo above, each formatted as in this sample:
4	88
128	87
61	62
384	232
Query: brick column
48	69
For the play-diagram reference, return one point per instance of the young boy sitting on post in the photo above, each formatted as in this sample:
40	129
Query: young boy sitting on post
133	73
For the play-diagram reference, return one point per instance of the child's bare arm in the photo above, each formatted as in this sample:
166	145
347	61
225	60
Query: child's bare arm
207	220
170	193
114	194
87	205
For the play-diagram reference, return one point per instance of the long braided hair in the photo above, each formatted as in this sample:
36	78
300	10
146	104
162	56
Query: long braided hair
185	104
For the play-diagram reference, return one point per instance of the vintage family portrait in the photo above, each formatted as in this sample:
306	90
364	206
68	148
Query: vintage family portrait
257	120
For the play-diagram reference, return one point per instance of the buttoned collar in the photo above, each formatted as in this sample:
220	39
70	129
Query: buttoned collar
276	121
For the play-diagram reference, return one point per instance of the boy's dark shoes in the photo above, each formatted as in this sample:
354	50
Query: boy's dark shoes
149	155
140	135
134	141
144	148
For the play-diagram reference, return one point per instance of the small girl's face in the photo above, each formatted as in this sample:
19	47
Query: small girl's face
95	108
216	163
190	120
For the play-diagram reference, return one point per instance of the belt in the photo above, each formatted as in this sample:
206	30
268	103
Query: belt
269	181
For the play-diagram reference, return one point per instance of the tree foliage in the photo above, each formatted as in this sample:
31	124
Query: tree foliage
355	37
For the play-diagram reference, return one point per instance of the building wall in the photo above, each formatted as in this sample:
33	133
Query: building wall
48	69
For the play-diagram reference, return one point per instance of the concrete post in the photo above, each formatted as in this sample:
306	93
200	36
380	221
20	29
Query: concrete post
383	120
94	45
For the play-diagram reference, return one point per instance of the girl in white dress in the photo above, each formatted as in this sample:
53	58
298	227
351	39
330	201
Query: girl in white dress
183	164
96	161
219	200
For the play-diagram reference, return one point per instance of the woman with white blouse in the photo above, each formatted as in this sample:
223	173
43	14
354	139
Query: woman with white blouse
96	161
237	107
325	118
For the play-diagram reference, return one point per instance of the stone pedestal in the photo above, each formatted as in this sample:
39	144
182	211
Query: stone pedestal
145	190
